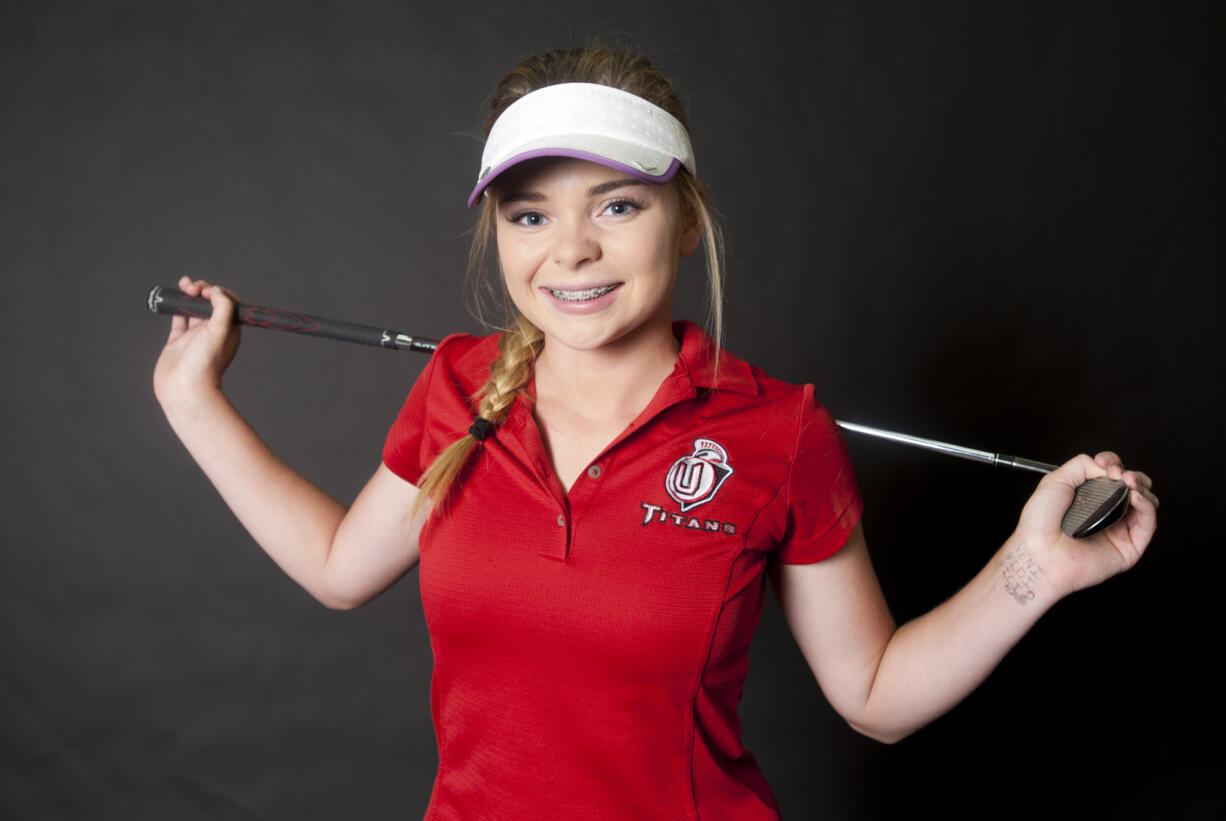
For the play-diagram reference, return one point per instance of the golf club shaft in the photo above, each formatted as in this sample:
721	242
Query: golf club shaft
171	301
984	456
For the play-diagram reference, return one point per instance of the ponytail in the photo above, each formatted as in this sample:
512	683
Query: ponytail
509	374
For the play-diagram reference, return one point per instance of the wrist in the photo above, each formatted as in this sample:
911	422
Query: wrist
1025	573
184	402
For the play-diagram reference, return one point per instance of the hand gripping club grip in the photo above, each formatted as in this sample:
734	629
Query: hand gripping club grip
171	301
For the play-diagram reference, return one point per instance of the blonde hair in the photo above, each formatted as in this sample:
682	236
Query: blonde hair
521	342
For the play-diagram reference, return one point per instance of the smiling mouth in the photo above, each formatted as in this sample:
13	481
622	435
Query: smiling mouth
582	296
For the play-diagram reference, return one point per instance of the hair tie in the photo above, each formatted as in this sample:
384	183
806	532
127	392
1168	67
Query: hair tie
481	428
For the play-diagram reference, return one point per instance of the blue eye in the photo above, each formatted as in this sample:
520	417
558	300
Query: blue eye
529	219
623	207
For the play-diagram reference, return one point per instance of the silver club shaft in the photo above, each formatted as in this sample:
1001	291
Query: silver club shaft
987	457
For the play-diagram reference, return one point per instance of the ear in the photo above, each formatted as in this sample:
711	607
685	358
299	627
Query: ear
691	224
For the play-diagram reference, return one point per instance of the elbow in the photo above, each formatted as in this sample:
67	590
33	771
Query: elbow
887	729
881	719
338	604
334	599
877	734
337	590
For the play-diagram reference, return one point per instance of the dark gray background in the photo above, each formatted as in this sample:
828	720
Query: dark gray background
998	224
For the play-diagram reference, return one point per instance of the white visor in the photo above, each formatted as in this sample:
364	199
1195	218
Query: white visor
591	122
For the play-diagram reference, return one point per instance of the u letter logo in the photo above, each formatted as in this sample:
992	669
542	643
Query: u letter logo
694	480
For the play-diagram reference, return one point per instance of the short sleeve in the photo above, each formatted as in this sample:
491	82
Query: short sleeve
403	451
824	503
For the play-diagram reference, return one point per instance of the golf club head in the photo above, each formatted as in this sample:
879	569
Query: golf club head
1098	504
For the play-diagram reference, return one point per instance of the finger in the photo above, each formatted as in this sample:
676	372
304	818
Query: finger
223	306
1107	458
1146	493
1142	499
1139	483
1144	519
233	296
208	290
178	324
1076	471
192	287
1111	463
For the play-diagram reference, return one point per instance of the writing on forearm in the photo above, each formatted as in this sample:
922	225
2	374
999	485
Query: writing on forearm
1019	572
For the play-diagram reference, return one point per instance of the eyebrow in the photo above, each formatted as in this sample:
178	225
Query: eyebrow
613	185
521	196
594	191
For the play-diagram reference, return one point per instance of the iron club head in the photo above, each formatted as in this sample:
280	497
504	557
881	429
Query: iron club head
1097	504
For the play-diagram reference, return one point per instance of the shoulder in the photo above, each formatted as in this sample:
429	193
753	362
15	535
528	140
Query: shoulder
439	407
778	404
772	415
464	360
820	496
797	409
720	373
787	420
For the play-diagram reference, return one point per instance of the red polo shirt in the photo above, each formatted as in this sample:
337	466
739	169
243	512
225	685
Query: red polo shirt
590	647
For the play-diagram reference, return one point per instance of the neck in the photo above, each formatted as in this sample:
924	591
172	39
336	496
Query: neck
615	381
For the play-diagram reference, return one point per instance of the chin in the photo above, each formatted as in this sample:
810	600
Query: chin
583	341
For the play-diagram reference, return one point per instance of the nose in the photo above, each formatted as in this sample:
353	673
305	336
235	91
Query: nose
575	244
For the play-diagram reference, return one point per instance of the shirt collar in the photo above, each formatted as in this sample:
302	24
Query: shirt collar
697	360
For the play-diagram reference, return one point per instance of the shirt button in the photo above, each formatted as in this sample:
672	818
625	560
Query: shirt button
561	521
594	471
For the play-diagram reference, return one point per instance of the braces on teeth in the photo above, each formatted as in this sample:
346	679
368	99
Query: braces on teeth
580	296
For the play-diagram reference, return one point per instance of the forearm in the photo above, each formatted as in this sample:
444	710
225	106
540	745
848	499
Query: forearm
933	662
294	521
889	682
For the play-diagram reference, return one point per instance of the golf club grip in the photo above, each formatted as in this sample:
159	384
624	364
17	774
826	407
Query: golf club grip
171	301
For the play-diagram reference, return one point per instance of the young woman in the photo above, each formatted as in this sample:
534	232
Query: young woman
595	496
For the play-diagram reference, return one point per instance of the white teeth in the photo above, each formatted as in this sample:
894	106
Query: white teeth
581	296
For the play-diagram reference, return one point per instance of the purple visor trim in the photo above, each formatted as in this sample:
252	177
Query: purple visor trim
637	173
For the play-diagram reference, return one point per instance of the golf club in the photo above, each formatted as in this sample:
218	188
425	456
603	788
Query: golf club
1097	504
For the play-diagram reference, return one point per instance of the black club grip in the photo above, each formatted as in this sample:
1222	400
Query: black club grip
171	301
